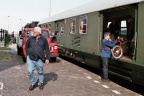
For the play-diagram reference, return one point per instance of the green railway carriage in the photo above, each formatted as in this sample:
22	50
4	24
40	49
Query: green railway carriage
80	32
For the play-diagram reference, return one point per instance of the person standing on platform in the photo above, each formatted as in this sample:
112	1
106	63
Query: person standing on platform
105	54
35	48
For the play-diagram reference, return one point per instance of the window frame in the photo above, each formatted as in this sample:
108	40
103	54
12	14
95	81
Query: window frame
83	24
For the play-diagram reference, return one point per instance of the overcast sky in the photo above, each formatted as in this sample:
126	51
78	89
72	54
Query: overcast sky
20	12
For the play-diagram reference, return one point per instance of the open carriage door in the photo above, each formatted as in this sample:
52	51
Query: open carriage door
100	30
140	35
57	31
136	32
60	32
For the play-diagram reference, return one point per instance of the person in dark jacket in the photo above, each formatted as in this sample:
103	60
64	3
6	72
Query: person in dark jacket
114	29
105	54
35	48
130	35
54	38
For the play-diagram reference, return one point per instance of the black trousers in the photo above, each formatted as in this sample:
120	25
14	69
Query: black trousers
104	67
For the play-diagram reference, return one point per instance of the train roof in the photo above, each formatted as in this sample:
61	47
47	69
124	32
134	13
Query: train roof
97	5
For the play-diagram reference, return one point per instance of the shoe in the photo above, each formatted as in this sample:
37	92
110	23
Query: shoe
32	87
105	80
41	86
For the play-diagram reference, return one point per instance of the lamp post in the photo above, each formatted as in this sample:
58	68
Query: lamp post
8	23
1	34
21	24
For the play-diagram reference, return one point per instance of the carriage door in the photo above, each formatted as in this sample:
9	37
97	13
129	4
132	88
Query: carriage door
59	27
100	30
136	32
58	32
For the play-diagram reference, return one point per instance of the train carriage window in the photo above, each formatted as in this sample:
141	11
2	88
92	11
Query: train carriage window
62	27
46	26
30	33
72	25
57	26
49	26
83	25
123	28
43	26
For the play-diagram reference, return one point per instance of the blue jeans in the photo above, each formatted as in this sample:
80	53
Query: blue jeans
31	66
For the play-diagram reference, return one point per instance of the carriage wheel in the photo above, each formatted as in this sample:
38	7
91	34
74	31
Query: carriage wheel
117	52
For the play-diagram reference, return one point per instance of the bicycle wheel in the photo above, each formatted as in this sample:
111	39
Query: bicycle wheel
117	52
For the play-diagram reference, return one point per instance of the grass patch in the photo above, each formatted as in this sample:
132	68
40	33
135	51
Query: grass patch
7	56
5	48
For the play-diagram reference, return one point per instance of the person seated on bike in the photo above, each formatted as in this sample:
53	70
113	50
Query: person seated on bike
105	54
130	34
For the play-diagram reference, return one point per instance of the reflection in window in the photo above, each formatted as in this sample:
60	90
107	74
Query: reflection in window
83	25
72	25
123	27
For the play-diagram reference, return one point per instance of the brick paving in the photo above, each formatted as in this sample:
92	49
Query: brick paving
62	78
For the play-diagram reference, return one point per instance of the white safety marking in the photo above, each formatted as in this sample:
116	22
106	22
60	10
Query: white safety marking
116	92
64	62
85	73
105	86
1	86
96	81
88	77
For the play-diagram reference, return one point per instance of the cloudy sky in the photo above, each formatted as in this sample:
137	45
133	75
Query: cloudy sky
16	13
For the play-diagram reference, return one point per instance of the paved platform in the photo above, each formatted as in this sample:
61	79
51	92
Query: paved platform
62	78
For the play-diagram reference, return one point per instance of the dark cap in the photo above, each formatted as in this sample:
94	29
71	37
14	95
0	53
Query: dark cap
106	33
